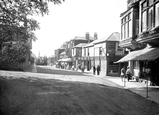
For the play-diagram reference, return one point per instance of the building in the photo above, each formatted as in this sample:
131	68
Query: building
103	52
57	53
77	40
106	52
77	54
140	37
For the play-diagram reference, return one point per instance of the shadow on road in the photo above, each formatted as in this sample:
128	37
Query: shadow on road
51	70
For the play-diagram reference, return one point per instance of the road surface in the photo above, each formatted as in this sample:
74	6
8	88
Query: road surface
53	70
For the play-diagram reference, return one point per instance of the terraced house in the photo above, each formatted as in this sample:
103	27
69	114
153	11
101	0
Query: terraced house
140	37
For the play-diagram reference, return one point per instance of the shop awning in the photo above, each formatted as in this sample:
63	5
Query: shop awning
151	55
65	60
134	54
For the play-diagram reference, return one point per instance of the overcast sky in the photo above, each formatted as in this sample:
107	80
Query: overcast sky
75	18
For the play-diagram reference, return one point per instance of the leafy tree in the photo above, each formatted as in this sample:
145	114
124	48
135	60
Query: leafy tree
17	25
15	14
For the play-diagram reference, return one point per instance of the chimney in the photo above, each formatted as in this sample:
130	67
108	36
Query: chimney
87	37
95	36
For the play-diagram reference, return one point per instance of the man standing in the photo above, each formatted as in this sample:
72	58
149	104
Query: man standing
94	70
128	73
98	70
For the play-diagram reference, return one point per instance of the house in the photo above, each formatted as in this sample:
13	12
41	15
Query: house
77	54
57	53
139	36
103	52
88	54
77	40
106	52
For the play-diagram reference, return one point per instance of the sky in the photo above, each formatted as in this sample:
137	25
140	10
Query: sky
75	18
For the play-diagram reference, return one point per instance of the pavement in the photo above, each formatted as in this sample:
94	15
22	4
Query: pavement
140	88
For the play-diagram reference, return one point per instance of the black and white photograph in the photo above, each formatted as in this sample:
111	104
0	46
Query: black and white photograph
79	57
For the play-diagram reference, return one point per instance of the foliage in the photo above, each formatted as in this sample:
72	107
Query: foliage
17	25
15	13
12	56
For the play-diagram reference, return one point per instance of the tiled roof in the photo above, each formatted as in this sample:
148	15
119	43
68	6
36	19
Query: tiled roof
113	37
83	38
91	44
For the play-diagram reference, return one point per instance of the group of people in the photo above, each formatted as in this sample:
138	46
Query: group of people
96	68
126	74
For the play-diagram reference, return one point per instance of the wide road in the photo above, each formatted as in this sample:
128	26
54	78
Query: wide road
53	70
25	93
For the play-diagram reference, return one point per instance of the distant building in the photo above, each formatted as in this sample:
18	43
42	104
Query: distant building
77	54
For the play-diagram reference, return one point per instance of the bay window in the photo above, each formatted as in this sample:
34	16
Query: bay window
149	14
126	27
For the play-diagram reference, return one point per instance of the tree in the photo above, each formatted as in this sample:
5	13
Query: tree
15	14
17	25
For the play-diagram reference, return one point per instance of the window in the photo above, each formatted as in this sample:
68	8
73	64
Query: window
144	6
144	21
150	17
157	14
100	51
136	65
150	2
129	25
126	27
144	16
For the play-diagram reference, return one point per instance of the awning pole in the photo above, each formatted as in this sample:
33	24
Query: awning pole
124	76
147	80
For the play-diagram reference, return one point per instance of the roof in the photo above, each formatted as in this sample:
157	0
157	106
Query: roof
113	37
63	53
82	38
80	45
65	60
90	44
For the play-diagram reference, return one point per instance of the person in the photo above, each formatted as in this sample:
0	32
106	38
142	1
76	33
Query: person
122	75
82	68
94	70
98	70
128	73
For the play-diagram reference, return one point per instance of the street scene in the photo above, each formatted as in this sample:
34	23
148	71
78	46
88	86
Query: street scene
63	57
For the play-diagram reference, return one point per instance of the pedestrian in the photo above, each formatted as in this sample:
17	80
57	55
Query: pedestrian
82	68
98	70
122	75
94	70
128	73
